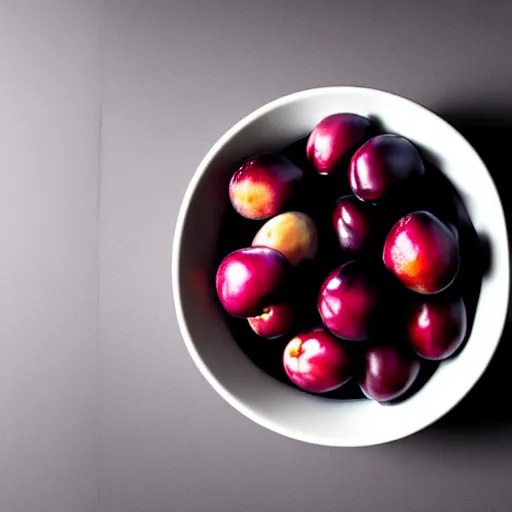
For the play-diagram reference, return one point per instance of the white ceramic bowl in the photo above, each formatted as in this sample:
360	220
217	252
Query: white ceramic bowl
237	379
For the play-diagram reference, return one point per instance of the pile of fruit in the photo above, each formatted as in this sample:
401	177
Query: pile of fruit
395	256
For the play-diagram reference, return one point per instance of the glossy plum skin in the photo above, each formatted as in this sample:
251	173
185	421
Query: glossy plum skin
422	252
385	167
293	234
388	372
334	139
355	225
437	328
317	362
275	321
248	278
264	186
350	301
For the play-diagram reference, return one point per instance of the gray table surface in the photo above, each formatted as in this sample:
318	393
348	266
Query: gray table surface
118	102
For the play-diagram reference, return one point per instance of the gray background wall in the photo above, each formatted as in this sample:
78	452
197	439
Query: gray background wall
103	410
48	255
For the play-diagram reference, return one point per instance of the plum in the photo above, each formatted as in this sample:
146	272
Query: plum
264	186
293	234
385	167
422	252
437	327
275	321
317	362
350	301
388	372
355	224
334	139
247	279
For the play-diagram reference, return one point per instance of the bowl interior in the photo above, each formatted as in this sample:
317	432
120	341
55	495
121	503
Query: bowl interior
262	398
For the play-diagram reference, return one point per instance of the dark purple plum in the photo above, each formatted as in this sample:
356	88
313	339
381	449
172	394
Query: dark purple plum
275	321
247	279
437	327
317	362
422	252
388	372
264	186
385	167
334	139
355	224
351	300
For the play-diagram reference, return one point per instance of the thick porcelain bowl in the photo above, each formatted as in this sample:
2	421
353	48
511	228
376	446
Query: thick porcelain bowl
236	378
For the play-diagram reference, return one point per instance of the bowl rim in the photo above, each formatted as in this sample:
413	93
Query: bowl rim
216	148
